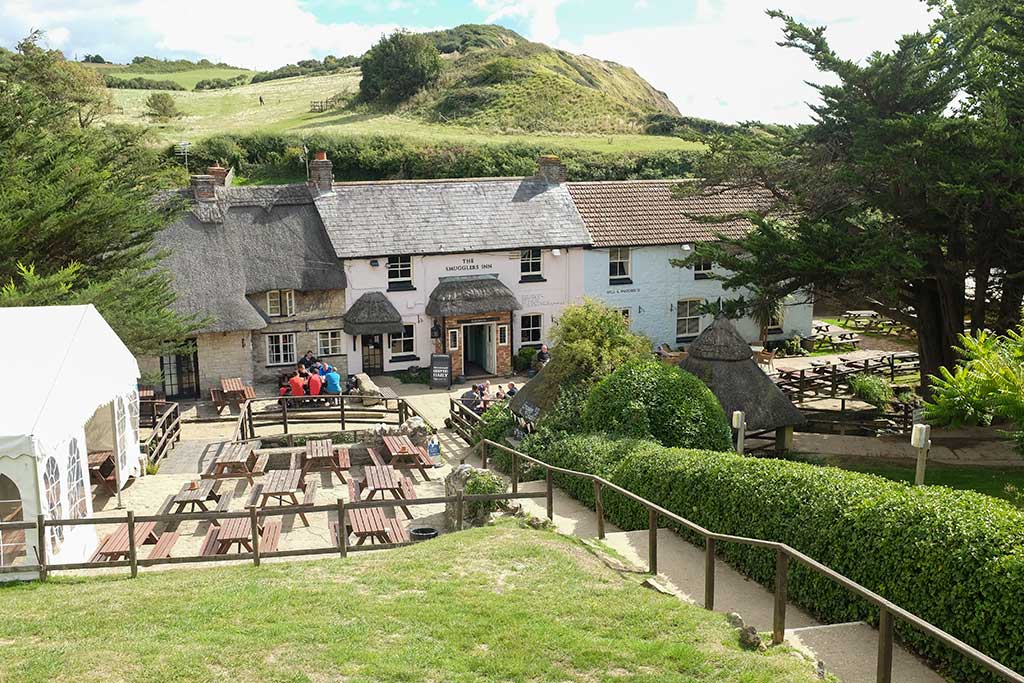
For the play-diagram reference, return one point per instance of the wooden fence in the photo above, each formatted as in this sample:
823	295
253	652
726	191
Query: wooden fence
166	424
464	421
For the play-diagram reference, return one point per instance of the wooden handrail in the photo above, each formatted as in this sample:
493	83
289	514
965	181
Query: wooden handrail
338	413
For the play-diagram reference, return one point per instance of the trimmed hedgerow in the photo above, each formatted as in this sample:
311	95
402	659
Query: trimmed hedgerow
955	558
644	398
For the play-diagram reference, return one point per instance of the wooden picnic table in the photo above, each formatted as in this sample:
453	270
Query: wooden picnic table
237	530
284	487
404	452
366	524
103	470
195	498
384	480
237	461
116	545
322	456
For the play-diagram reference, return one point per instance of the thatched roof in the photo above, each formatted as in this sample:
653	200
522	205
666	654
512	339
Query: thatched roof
535	397
469	295
724	362
372	313
248	241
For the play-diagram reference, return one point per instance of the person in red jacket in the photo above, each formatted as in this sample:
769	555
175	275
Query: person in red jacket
314	383
297	384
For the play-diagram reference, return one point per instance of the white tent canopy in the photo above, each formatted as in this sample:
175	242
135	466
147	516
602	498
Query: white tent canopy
71	389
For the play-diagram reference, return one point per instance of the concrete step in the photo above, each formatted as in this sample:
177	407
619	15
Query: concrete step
850	653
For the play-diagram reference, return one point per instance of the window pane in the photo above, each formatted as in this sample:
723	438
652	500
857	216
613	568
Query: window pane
274	303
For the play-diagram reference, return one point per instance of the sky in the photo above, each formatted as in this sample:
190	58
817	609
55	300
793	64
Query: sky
716	59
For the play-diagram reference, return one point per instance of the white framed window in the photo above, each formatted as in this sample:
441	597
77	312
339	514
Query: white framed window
120	433
399	271
12	543
618	265
702	268
688	317
54	501
404	342
77	505
281	349
502	335
453	340
280	302
531	263
530	328
329	343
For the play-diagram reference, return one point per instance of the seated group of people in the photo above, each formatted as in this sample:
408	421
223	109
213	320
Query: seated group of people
311	377
480	397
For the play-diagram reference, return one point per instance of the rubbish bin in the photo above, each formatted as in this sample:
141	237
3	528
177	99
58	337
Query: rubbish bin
422	533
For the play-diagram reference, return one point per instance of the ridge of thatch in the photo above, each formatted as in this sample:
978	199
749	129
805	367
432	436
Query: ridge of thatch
720	341
372	313
470	295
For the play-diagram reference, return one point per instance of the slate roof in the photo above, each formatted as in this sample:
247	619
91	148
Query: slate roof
645	213
372	219
469	295
250	240
372	313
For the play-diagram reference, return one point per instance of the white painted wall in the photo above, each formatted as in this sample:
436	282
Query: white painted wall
563	285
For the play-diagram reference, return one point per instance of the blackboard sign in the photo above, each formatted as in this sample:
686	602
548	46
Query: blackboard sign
440	371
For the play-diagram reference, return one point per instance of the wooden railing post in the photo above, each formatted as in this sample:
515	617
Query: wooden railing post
599	508
515	472
342	530
884	673
652	540
403	412
550	489
781	588
483	454
709	573
133	557
460	511
341	400
41	545
254	526
284	413
252	427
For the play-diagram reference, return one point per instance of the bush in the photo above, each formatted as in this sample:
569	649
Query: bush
221	83
955	558
645	398
872	389
414	375
398	67
140	83
483	482
308	67
523	360
161	106
496	424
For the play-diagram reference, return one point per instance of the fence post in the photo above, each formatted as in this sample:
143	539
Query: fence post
483	454
551	494
709	573
252	427
884	673
652	540
341	401
599	509
459	510
284	413
403	413
781	588
133	557
342	530
41	545
515	472
254	525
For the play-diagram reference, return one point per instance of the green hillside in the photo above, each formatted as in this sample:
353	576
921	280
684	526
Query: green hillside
491	604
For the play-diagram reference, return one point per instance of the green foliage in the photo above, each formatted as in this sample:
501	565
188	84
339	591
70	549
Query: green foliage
872	389
689	127
414	376
523	360
951	557
483	482
645	398
162	107
152	65
398	67
308	67
94	59
141	83
496	424
474	37
221	83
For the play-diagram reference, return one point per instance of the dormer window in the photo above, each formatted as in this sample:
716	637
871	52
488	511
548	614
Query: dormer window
280	302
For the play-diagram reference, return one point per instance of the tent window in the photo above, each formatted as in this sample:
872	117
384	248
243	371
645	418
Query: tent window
77	505
54	496
120	440
12	543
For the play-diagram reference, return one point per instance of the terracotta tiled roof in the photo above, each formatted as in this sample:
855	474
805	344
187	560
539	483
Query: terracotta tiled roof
644	212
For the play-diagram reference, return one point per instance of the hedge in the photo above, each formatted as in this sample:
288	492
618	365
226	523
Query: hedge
954	558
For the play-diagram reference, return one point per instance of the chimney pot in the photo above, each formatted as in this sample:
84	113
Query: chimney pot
320	156
550	169
321	173
204	187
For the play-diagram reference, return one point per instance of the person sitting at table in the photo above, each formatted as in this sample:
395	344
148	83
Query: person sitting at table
332	381
511	391
303	372
543	356
314	384
282	385
309	360
499	395
482	400
470	398
297	384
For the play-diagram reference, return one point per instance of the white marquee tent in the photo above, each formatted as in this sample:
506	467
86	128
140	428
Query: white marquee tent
71	390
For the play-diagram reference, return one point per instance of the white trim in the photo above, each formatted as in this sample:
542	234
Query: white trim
615	256
453	341
502	333
539	328
282	363
526	257
403	338
699	317
326	351
399	267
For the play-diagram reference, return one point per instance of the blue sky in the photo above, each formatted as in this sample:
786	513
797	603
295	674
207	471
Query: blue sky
716	59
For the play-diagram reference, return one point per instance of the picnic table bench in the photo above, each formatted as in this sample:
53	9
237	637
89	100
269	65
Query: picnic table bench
404	452
284	487
116	545
366	524
195	495
858	317
388	480
837	339
232	392
103	470
238	460
238	531
322	456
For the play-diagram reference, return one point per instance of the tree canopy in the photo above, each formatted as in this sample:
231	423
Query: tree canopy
398	67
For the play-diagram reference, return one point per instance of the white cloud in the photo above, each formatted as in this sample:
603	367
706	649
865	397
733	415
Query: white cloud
724	63
540	15
253	33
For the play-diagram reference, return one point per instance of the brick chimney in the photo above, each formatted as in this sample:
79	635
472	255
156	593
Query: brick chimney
321	173
550	169
204	187
219	173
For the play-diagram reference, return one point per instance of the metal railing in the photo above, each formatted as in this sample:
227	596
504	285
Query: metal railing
888	611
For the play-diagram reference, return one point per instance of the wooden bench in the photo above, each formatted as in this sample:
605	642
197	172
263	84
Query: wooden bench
162	549
396	532
271	536
408	488
309	495
261	464
353	491
220	401
254	496
210	544
376	459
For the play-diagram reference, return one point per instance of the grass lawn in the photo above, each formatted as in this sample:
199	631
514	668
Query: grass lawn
494	604
986	480
286	109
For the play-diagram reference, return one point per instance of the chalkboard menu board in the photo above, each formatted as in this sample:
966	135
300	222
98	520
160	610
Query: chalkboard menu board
440	371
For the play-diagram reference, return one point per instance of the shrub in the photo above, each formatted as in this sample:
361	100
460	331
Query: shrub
140	83
523	360
955	558
496	424
414	375
872	389
647	398
483	482
221	83
161	106
398	67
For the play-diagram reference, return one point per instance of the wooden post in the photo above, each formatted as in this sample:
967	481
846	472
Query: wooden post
254	525
781	588
342	532
784	439
41	546
884	673
652	540
252	427
459	511
133	557
515	472
284	413
709	573
551	494
483	454
403	413
599	509
341	400
835	382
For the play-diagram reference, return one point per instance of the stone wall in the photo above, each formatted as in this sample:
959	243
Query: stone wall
314	312
223	354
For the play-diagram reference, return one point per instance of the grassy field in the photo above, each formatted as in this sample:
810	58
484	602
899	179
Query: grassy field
496	604
286	109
